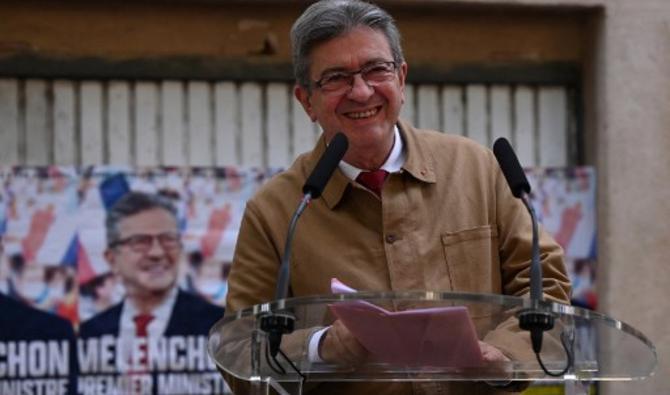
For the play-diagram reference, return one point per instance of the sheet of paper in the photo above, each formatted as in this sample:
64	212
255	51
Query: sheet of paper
431	337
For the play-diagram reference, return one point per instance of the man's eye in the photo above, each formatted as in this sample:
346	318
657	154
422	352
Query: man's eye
168	238
378	70
334	78
140	239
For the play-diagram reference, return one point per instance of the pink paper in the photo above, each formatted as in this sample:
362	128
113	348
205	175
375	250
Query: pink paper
436	337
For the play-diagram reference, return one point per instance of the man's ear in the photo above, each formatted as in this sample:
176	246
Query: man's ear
402	75
303	96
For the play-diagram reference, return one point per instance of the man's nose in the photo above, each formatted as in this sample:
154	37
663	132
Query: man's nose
360	90
156	248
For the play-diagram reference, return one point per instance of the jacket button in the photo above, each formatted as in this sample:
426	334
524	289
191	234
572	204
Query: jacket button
391	238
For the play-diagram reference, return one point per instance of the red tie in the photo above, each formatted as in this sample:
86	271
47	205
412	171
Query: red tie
373	180
141	323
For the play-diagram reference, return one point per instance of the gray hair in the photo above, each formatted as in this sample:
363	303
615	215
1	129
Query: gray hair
131	204
327	19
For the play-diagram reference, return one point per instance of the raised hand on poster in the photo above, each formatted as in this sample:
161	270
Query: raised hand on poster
218	221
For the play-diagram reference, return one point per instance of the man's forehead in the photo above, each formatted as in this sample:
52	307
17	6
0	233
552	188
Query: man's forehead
148	221
359	45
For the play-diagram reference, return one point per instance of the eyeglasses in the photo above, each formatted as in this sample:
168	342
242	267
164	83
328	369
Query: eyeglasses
341	81
143	243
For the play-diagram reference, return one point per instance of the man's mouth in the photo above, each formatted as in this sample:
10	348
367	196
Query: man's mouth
156	268
363	114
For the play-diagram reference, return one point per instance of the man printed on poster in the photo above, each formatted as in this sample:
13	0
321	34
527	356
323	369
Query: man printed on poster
155	340
37	349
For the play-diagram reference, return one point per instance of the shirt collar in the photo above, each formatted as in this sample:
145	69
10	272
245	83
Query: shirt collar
416	157
394	162
161	313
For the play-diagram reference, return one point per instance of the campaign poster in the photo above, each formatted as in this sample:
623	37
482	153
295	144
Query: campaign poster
55	266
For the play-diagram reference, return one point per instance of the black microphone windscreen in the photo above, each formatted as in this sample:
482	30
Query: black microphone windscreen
509	164
326	166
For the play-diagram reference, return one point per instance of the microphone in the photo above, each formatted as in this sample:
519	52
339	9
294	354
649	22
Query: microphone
509	164
280	323
326	166
532	320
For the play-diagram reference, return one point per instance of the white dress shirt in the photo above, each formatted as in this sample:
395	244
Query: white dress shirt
393	164
128	340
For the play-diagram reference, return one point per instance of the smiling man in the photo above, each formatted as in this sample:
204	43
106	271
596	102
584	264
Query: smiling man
407	209
144	250
358	93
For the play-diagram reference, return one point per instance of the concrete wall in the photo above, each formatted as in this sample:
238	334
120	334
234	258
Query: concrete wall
633	141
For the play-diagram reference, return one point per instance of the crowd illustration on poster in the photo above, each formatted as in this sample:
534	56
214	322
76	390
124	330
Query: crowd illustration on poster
55	267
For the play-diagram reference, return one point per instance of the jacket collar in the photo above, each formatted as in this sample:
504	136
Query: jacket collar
419	163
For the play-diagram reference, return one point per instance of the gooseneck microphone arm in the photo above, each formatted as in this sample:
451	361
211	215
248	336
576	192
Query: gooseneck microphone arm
278	323
535	266
284	270
282	322
533	319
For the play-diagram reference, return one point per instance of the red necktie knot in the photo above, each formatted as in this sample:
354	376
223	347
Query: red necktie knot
373	180
141	323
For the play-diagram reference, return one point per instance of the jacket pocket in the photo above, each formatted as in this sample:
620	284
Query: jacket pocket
472	259
474	266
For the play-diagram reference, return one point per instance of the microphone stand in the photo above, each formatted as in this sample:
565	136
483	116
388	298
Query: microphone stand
534	320
282	322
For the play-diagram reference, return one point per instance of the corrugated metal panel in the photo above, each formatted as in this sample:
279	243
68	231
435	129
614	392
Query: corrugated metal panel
201	123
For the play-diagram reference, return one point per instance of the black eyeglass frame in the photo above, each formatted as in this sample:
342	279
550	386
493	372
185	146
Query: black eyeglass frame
144	242
363	71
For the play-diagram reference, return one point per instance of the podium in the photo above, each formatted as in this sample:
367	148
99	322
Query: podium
601	348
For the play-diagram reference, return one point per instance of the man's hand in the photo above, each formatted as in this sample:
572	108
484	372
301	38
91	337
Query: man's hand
492	354
339	346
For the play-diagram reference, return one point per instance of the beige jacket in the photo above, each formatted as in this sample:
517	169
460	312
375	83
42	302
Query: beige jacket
446	222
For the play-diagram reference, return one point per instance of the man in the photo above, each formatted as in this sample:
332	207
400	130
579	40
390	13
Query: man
144	250
441	216
47	336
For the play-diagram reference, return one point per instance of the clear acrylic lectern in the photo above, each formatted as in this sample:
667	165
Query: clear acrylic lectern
601	348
